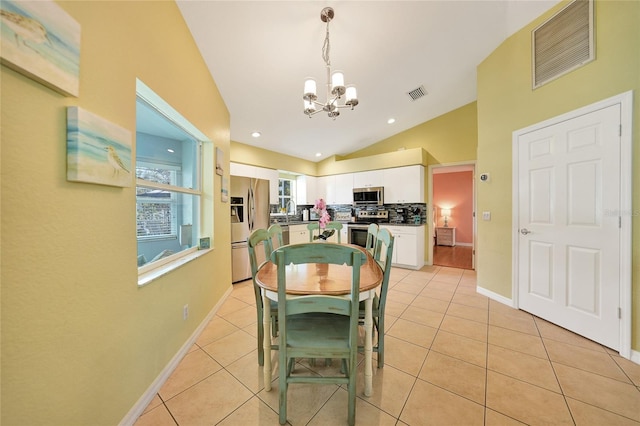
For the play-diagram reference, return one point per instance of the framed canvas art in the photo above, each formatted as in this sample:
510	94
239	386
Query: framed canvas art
42	41
98	151
219	162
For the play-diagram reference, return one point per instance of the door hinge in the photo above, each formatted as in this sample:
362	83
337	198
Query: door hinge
620	222
620	130
474	214
619	313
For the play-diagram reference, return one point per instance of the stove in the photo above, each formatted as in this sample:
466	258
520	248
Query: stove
372	216
358	230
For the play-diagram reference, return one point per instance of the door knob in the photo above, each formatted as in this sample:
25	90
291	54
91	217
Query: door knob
525	231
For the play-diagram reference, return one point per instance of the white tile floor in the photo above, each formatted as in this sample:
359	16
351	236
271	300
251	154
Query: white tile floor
453	357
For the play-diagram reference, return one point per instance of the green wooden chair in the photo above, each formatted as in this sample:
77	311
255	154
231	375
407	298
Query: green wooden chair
318	326
275	230
383	254
314	229
261	236
372	237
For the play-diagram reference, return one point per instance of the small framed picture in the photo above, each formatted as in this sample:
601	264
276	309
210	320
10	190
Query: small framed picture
224	190
219	162
205	243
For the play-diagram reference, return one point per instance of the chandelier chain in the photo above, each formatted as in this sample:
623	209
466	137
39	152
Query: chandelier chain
326	47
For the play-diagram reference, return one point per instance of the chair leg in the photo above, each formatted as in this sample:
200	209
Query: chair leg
274	325
351	416
282	387
260	339
380	342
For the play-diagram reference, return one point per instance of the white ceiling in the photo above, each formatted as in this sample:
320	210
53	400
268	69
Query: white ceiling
260	52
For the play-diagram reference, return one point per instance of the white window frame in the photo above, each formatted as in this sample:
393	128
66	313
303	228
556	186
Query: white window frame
149	272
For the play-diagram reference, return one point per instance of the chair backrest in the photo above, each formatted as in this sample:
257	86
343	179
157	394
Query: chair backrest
312	227
372	237
258	236
329	253
383	255
275	230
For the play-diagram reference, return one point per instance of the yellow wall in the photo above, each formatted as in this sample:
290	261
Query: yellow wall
449	138
247	154
507	103
80	341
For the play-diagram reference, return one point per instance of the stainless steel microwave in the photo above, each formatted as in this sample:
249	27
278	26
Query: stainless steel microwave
370	196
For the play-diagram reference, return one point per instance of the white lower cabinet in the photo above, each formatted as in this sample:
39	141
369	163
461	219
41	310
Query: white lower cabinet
298	234
344	234
408	246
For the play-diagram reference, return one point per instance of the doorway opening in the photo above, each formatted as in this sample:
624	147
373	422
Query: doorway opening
452	225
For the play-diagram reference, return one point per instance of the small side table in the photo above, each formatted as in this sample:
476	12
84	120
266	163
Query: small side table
445	236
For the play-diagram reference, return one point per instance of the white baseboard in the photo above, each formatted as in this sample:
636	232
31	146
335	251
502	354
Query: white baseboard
635	355
154	388
458	243
495	296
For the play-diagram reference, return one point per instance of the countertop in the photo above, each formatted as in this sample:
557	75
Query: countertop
302	222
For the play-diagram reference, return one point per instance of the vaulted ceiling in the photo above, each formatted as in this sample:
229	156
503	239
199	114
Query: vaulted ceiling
260	52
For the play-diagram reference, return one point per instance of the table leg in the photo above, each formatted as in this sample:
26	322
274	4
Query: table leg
368	346
266	321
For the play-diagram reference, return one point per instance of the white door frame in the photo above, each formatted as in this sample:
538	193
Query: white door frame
430	230
625	214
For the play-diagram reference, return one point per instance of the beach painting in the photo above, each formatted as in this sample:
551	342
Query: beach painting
42	41
98	151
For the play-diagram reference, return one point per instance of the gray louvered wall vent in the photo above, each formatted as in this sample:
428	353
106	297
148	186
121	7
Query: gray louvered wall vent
416	94
563	43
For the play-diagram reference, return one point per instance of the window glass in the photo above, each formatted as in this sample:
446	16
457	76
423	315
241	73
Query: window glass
167	186
285	191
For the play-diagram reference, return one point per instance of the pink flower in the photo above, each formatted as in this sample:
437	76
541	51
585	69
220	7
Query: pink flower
321	209
324	219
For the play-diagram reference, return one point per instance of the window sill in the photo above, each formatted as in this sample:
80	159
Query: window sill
152	275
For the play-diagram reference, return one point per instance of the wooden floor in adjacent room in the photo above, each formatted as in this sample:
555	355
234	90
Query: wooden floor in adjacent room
455	257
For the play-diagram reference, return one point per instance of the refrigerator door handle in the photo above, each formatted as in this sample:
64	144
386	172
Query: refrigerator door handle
251	209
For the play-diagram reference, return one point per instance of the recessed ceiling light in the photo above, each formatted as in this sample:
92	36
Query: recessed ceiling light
256	134
170	150
391	121
318	154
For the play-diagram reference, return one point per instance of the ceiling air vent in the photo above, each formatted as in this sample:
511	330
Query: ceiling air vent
416	94
563	43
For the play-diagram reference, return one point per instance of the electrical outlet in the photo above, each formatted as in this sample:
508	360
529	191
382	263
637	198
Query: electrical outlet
486	215
185	312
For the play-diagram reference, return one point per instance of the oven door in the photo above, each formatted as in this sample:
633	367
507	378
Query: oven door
358	235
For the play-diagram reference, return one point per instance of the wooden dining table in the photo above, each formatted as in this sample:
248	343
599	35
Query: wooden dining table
321	279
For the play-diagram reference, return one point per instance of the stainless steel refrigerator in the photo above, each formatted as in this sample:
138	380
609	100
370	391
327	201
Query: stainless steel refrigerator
249	211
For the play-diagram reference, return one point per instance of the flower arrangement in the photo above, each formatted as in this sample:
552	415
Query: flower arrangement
320	208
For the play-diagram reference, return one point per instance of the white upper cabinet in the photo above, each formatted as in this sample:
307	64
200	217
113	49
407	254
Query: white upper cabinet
336	189
236	169
306	189
326	188
368	179
344	189
404	184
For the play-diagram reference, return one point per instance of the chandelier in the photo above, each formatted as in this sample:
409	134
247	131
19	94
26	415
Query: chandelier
335	82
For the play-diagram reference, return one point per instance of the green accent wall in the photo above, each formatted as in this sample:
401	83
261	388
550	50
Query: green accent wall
507	103
81	342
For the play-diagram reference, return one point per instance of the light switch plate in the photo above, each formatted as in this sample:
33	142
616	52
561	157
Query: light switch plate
486	215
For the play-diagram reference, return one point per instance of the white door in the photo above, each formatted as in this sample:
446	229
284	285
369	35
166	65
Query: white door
569	229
